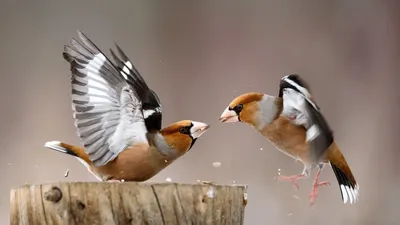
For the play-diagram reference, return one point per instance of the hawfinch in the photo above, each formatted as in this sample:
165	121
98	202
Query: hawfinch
294	124
118	118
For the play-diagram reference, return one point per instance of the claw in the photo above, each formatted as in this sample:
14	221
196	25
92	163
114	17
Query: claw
293	179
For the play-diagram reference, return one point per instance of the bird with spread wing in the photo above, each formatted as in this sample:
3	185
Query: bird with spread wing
294	124
119	118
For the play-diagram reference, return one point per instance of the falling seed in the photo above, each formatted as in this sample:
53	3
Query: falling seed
66	173
261	149
166	161
234	182
279	171
168	179
290	214
296	197
216	164
122	180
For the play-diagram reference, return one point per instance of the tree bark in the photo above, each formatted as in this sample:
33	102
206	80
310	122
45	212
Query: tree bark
105	203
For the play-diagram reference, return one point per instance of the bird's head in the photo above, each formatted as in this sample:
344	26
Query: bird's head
183	134
252	108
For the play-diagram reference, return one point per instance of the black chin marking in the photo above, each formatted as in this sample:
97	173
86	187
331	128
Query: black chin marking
193	141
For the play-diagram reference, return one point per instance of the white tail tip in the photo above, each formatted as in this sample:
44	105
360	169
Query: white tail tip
50	144
55	145
349	194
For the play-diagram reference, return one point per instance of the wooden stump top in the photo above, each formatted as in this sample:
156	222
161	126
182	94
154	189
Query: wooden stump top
104	203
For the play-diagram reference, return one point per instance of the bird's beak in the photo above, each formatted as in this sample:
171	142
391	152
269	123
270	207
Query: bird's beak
228	116
198	129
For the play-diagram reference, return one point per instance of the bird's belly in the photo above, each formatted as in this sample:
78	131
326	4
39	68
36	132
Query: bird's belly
288	138
287	151
133	165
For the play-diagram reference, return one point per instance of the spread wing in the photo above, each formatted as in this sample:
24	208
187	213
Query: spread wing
151	103
107	109
298	103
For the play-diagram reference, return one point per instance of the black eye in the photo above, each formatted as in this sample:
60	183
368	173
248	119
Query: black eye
184	130
238	108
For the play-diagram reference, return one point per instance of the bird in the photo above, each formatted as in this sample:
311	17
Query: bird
294	124
118	118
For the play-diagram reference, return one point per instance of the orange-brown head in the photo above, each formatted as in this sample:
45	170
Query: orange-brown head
256	109
182	135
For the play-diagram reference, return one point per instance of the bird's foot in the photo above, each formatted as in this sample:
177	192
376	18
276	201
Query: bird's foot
314	192
293	179
113	181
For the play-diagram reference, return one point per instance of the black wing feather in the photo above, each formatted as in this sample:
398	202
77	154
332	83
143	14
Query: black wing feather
148	97
325	138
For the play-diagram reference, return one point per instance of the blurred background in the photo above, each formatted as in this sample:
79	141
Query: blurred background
198	56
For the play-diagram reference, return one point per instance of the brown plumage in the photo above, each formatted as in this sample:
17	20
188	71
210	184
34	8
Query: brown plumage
118	118
264	113
140	161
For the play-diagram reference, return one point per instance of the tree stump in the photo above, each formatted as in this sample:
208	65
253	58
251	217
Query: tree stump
105	203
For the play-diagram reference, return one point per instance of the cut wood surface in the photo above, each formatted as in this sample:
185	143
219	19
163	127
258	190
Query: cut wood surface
104	203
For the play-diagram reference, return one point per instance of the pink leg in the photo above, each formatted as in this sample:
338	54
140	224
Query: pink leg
294	179
316	184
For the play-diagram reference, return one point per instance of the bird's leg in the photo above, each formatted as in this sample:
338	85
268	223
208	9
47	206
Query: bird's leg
316	185
293	179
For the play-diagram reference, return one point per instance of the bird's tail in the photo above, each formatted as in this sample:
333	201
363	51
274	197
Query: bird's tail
60	147
349	188
78	152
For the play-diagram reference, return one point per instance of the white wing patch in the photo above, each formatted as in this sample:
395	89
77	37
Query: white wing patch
125	71
294	105
131	127
312	133
92	69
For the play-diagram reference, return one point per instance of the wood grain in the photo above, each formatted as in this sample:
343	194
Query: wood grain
101	203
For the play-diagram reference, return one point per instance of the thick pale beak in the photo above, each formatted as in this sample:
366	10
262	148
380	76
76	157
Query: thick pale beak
198	129
228	116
